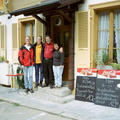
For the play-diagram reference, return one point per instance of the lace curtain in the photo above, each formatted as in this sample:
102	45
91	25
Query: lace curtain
117	32
103	32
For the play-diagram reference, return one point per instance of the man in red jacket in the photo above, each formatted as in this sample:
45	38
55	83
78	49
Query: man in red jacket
48	62
26	59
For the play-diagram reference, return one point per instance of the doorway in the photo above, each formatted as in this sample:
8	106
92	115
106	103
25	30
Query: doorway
61	36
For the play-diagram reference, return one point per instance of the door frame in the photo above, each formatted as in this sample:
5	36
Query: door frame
63	29
50	29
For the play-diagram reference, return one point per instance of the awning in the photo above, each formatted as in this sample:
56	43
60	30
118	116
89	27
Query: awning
40	8
46	5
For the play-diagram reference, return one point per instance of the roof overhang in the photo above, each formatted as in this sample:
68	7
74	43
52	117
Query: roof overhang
40	8
45	6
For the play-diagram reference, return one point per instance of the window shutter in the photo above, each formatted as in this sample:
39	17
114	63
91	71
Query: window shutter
39	28
83	30
15	43
82	43
14	35
3	48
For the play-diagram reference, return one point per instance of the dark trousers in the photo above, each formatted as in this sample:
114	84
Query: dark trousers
48	71
38	73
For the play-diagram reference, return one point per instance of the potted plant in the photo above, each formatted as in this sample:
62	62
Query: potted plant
115	66
2	59
103	61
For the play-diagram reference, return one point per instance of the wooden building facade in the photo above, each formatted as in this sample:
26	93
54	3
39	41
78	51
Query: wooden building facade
72	23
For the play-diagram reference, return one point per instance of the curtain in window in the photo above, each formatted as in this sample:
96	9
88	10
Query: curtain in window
27	29
103	32
117	32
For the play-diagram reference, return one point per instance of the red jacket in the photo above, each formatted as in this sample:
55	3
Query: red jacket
25	56
48	50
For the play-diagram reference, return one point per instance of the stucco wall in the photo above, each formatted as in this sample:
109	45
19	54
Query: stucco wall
85	6
8	22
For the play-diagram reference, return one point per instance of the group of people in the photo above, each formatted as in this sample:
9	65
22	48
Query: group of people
48	59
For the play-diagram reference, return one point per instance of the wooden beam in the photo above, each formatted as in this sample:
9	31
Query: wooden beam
71	53
53	12
40	19
65	16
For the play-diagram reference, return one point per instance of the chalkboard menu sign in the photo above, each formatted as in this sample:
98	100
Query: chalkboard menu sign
85	84
107	93
85	88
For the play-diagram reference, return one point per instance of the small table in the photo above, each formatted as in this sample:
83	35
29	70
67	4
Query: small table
15	75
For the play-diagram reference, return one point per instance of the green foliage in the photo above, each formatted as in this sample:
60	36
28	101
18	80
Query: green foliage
2	58
106	60
98	59
102	59
16	104
1	100
115	65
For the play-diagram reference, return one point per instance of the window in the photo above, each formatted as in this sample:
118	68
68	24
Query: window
109	34
30	30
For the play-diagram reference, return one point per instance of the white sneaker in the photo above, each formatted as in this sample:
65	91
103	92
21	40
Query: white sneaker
59	86
56	86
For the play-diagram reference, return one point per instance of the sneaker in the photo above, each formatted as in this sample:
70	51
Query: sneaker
36	86
31	90
56	86
26	90
40	85
45	85
51	86
59	86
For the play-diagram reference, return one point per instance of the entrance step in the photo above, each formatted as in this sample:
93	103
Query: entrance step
60	92
58	95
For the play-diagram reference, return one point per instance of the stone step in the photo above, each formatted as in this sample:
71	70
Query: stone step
49	97
60	92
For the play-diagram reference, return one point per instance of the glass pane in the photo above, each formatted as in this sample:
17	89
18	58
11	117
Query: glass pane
27	29
33	29
63	39
103	56
33	32
116	41
66	44
103	30
115	55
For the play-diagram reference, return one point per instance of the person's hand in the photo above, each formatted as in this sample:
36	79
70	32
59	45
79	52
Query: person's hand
22	66
61	50
60	66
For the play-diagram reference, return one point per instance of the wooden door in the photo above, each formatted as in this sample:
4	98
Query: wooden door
61	35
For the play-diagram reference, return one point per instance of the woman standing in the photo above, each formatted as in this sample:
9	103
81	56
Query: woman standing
58	64
38	58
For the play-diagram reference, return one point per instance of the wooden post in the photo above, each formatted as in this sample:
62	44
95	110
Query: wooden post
71	54
48	25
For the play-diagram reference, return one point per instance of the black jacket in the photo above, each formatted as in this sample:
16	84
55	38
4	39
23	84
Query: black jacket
42	52
58	58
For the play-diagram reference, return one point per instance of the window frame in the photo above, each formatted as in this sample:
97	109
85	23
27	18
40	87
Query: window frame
22	22
94	10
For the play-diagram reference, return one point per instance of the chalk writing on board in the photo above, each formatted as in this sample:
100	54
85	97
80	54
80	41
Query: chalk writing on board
85	88
106	92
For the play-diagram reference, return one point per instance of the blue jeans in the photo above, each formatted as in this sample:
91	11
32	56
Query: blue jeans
38	73
58	75
28	76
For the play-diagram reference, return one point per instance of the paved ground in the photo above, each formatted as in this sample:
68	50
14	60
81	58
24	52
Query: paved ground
9	111
75	110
